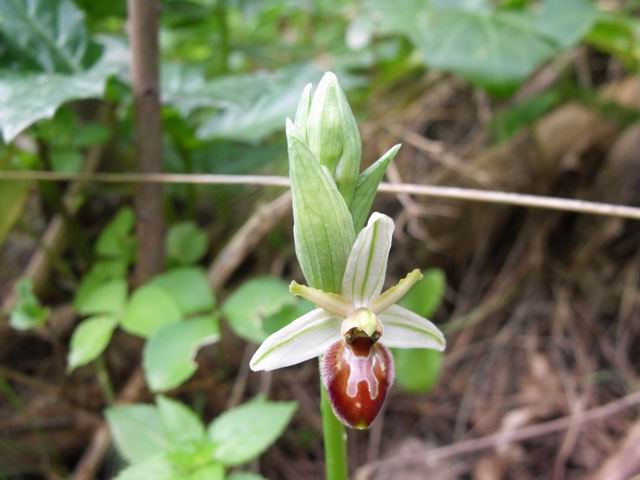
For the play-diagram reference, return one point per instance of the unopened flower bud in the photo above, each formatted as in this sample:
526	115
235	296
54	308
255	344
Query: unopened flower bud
332	134
357	376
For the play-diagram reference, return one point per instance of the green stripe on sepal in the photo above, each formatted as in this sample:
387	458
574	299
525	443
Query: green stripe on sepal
322	224
367	187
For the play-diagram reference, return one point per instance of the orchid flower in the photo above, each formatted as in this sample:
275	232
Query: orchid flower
352	330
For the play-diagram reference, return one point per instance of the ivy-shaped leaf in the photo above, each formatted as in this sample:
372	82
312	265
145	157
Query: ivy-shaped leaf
29	97
496	48
50	33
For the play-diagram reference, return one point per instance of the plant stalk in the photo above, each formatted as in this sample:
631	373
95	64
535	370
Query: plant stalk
104	380
144	25
335	440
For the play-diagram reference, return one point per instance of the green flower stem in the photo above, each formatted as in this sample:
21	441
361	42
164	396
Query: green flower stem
335	441
104	381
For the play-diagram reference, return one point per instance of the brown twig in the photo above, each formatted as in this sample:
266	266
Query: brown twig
240	384
437	151
247	237
435	191
502	438
144	20
626	461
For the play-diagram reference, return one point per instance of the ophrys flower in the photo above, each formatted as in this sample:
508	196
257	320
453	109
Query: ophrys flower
353	329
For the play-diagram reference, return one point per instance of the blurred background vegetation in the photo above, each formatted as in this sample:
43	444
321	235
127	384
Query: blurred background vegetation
541	308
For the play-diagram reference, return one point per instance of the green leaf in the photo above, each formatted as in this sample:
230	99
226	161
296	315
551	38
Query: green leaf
102	272
108	297
243	433
49	33
34	95
494	48
157	467
247	308
189	287
509	122
426	295
417	370
138	431
323	236
180	422
66	160
214	471
27	313
245	476
183	88
116	240
367	188
618	35
400	16
89	340
150	308
254	105
188	457
29	97
186	243
90	134
565	21
472	5
169	354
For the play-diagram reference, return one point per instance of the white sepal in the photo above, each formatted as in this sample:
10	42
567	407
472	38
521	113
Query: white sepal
367	264
405	329
304	338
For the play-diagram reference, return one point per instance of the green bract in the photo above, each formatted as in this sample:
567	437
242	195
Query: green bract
330	200
323	228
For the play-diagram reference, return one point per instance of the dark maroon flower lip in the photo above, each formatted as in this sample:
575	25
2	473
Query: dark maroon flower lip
357	376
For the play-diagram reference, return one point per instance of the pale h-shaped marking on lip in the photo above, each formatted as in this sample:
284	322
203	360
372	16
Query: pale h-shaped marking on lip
362	369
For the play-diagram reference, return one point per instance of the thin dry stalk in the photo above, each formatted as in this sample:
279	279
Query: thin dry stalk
475	445
435	191
144	20
247	238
